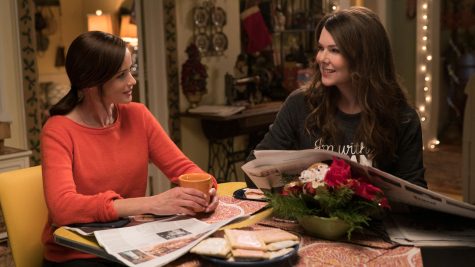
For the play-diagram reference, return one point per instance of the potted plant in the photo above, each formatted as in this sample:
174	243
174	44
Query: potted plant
329	200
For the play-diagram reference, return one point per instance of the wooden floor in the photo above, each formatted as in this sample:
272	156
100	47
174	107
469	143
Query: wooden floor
444	170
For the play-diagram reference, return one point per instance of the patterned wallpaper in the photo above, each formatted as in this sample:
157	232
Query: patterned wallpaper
169	12
34	100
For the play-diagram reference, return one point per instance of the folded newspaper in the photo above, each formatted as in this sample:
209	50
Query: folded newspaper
157	243
148	240
270	166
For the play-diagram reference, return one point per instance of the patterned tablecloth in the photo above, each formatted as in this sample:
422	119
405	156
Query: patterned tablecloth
364	249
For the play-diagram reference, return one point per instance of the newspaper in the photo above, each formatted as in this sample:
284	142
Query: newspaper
150	240
426	228
270	166
156	243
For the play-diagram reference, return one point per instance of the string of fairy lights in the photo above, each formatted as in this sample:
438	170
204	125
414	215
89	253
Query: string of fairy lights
424	74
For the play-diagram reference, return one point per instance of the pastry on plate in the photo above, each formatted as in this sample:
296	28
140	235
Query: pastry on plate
212	246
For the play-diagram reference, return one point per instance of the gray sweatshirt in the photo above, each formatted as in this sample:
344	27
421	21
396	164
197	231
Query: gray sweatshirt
288	133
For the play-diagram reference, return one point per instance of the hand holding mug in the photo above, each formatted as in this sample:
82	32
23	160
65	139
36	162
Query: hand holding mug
198	181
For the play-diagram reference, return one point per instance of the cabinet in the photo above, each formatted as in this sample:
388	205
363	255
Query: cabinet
11	159
14	158
291	51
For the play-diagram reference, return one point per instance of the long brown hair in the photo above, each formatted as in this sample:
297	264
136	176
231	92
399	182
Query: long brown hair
93	58
363	42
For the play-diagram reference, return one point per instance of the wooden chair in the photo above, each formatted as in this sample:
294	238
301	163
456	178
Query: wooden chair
24	211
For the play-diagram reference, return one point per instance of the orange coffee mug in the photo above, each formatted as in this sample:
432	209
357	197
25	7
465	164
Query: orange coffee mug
198	180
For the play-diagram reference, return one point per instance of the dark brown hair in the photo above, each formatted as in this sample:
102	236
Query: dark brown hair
93	58
363	42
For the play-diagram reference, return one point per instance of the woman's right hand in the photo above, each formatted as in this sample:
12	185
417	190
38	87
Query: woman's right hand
178	200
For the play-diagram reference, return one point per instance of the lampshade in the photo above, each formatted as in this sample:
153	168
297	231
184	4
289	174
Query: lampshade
99	22
127	29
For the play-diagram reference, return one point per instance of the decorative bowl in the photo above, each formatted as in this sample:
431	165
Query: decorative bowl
323	227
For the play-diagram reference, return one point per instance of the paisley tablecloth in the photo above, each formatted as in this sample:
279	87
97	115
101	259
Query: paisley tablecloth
364	249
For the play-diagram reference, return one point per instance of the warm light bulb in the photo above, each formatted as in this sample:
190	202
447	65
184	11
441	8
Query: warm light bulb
99	12
427	78
426	88
423	118
429	57
424	6
424	38
433	144
424	48
424	17
428	98
424	27
422	108
423	68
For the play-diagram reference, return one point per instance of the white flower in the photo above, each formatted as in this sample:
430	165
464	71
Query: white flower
314	173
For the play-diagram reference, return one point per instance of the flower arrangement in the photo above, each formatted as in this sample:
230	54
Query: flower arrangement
330	191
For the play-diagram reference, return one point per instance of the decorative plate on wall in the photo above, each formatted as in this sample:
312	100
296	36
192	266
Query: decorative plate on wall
218	17
202	42
220	42
201	17
208	21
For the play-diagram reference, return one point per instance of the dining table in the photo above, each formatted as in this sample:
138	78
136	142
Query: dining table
366	248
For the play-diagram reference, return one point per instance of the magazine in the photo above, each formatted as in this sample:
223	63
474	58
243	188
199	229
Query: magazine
270	166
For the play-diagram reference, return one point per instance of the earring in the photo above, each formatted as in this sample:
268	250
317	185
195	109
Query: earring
80	94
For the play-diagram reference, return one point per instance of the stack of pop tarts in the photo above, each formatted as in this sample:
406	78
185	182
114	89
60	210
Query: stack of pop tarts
244	245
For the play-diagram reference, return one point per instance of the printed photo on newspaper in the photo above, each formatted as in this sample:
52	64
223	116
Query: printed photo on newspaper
270	166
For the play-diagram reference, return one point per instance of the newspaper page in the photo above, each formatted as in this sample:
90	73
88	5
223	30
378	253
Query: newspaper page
270	166
426	228
156	243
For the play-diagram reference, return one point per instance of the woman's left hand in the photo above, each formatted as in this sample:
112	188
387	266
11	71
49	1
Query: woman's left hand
214	201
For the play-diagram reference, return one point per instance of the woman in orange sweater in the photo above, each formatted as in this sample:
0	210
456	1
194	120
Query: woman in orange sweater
96	147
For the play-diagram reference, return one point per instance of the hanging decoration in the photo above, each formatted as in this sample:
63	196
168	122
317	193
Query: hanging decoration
424	78
209	21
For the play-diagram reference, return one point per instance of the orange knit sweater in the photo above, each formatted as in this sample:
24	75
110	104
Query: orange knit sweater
85	169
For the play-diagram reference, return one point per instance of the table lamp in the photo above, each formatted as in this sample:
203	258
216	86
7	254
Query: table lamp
128	30
99	22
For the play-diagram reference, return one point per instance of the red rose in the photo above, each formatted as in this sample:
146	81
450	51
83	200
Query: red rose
338	173
366	190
